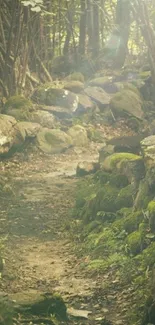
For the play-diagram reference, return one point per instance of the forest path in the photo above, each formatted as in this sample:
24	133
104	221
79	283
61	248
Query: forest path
38	254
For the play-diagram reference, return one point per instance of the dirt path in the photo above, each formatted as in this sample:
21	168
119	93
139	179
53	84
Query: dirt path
38	255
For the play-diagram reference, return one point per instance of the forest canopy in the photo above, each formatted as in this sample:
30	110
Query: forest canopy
41	39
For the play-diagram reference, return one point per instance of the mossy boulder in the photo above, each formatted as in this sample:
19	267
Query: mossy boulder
148	150
151	210
19	107
18	102
53	141
135	242
115	160
79	135
143	195
74	86
127	102
129	223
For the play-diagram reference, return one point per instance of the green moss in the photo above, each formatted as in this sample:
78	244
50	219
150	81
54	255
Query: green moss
105	200
18	102
151	209
125	197
102	177
118	180
147	258
129	223
135	242
143	196
114	161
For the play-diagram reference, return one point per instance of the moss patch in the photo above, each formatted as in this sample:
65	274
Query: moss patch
114	161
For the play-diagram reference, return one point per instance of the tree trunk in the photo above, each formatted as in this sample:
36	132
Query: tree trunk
96	28
82	39
116	48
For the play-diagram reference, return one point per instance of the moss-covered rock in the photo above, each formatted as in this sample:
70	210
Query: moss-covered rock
53	141
127	102
18	102
143	195
19	107
115	160
129	223
125	197
151	210
135	242
148	150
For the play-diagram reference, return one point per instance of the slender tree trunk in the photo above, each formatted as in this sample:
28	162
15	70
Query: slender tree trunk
96	28
90	24
82	39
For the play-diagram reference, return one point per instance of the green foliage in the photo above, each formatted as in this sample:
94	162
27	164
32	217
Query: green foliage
35	5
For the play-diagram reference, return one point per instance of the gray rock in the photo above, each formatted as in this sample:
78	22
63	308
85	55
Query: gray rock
78	135
98	95
45	119
9	134
29	129
53	141
56	97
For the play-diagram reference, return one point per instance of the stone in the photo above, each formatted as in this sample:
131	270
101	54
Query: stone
148	150
9	134
86	168
78	135
59	112
116	161
29	129
106	83
74	86
53	141
55	97
85	104
98	95
37	303
127	103
19	107
45	119
126	143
